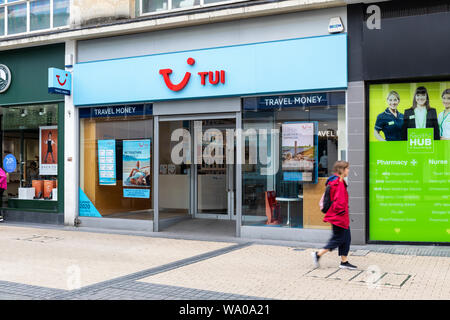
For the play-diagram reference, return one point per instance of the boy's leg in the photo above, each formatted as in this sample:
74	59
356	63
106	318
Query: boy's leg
344	252
334	242
344	248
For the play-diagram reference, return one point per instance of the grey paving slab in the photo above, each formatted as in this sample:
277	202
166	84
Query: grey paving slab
17	291
152	271
147	292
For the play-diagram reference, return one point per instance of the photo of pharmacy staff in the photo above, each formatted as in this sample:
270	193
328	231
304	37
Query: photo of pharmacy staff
420	115
390	122
444	116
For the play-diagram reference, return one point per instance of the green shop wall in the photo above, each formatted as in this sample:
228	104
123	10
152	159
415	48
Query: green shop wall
29	74
29	85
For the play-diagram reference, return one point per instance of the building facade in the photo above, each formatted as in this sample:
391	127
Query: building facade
237	110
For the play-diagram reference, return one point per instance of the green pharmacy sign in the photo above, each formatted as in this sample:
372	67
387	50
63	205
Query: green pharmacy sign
409	164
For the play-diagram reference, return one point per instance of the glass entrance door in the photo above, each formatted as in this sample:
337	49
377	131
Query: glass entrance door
214	169
196	171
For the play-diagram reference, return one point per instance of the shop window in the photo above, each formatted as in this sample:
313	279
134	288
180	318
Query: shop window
2	21
17	18
116	172
30	147
291	143
39	15
20	16
156	6
61	13
184	3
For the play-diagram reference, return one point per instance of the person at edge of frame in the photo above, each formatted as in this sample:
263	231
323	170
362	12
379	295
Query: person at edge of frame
444	116
3	187
338	216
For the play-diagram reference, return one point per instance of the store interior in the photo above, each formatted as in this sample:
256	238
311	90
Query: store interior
23	130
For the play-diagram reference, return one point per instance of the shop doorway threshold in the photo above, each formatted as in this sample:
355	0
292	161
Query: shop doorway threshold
201	228
183	227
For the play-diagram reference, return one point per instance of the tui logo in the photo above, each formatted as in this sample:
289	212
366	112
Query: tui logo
59	81
176	87
214	77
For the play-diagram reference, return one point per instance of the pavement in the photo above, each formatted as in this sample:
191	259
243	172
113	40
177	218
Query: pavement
66	263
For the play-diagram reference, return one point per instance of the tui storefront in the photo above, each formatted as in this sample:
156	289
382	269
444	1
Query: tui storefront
240	132
32	136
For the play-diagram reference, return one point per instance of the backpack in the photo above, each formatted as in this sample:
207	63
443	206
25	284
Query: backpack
325	202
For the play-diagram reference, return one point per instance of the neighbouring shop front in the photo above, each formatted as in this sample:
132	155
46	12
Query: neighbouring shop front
407	119
246	133
32	136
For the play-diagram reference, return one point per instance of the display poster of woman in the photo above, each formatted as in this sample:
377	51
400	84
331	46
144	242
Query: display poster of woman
421	114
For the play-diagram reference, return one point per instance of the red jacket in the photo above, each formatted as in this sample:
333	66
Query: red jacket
338	212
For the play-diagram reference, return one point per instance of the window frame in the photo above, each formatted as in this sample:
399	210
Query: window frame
28	23
170	5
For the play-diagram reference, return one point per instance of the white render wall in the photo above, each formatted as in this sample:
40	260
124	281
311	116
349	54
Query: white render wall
71	147
267	28
84	11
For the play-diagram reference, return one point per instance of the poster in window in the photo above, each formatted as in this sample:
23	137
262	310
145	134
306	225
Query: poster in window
136	163
107	162
48	151
299	151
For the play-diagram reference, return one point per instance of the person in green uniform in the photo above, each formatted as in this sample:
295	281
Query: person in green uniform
421	114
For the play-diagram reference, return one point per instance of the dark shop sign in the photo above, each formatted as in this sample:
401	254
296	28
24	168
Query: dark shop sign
117	111
298	100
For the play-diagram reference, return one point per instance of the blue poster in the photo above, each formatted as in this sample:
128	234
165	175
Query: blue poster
107	162
9	163
136	193
292	176
87	208
136	163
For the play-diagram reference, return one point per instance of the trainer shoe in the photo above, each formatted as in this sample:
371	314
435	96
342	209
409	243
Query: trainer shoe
347	265
315	258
